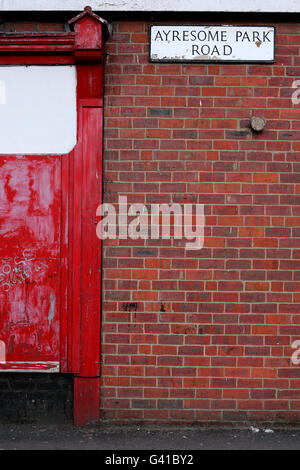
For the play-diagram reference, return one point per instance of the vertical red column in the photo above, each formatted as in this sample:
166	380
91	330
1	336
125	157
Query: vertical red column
85	247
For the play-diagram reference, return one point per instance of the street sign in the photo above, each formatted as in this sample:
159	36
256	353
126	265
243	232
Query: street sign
212	43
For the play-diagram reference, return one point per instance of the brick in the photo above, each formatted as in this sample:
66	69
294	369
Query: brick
223	382
213	328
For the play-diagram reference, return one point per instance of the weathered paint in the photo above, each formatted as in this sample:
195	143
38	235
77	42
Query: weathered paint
30	366
51	312
2	352
50	257
30	257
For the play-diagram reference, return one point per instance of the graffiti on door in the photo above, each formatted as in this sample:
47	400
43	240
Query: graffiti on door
19	271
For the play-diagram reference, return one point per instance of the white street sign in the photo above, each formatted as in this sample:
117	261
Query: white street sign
212	44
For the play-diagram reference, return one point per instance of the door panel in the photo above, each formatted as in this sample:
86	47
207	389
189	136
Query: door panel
37	110
30	219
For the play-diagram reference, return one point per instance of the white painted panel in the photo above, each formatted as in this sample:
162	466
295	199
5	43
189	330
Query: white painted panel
37	109
153	5
212	43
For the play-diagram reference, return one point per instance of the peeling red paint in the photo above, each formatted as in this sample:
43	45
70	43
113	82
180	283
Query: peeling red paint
30	257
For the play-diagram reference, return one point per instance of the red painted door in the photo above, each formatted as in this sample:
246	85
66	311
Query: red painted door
30	227
38	115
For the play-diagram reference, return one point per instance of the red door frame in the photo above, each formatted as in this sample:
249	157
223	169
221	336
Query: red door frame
81	193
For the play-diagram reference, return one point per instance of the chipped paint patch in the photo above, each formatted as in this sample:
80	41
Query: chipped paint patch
2	352
30	366
51	311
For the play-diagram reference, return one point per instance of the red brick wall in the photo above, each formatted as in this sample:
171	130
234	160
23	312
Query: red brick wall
203	336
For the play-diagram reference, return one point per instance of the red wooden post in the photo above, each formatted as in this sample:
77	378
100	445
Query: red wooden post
90	32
